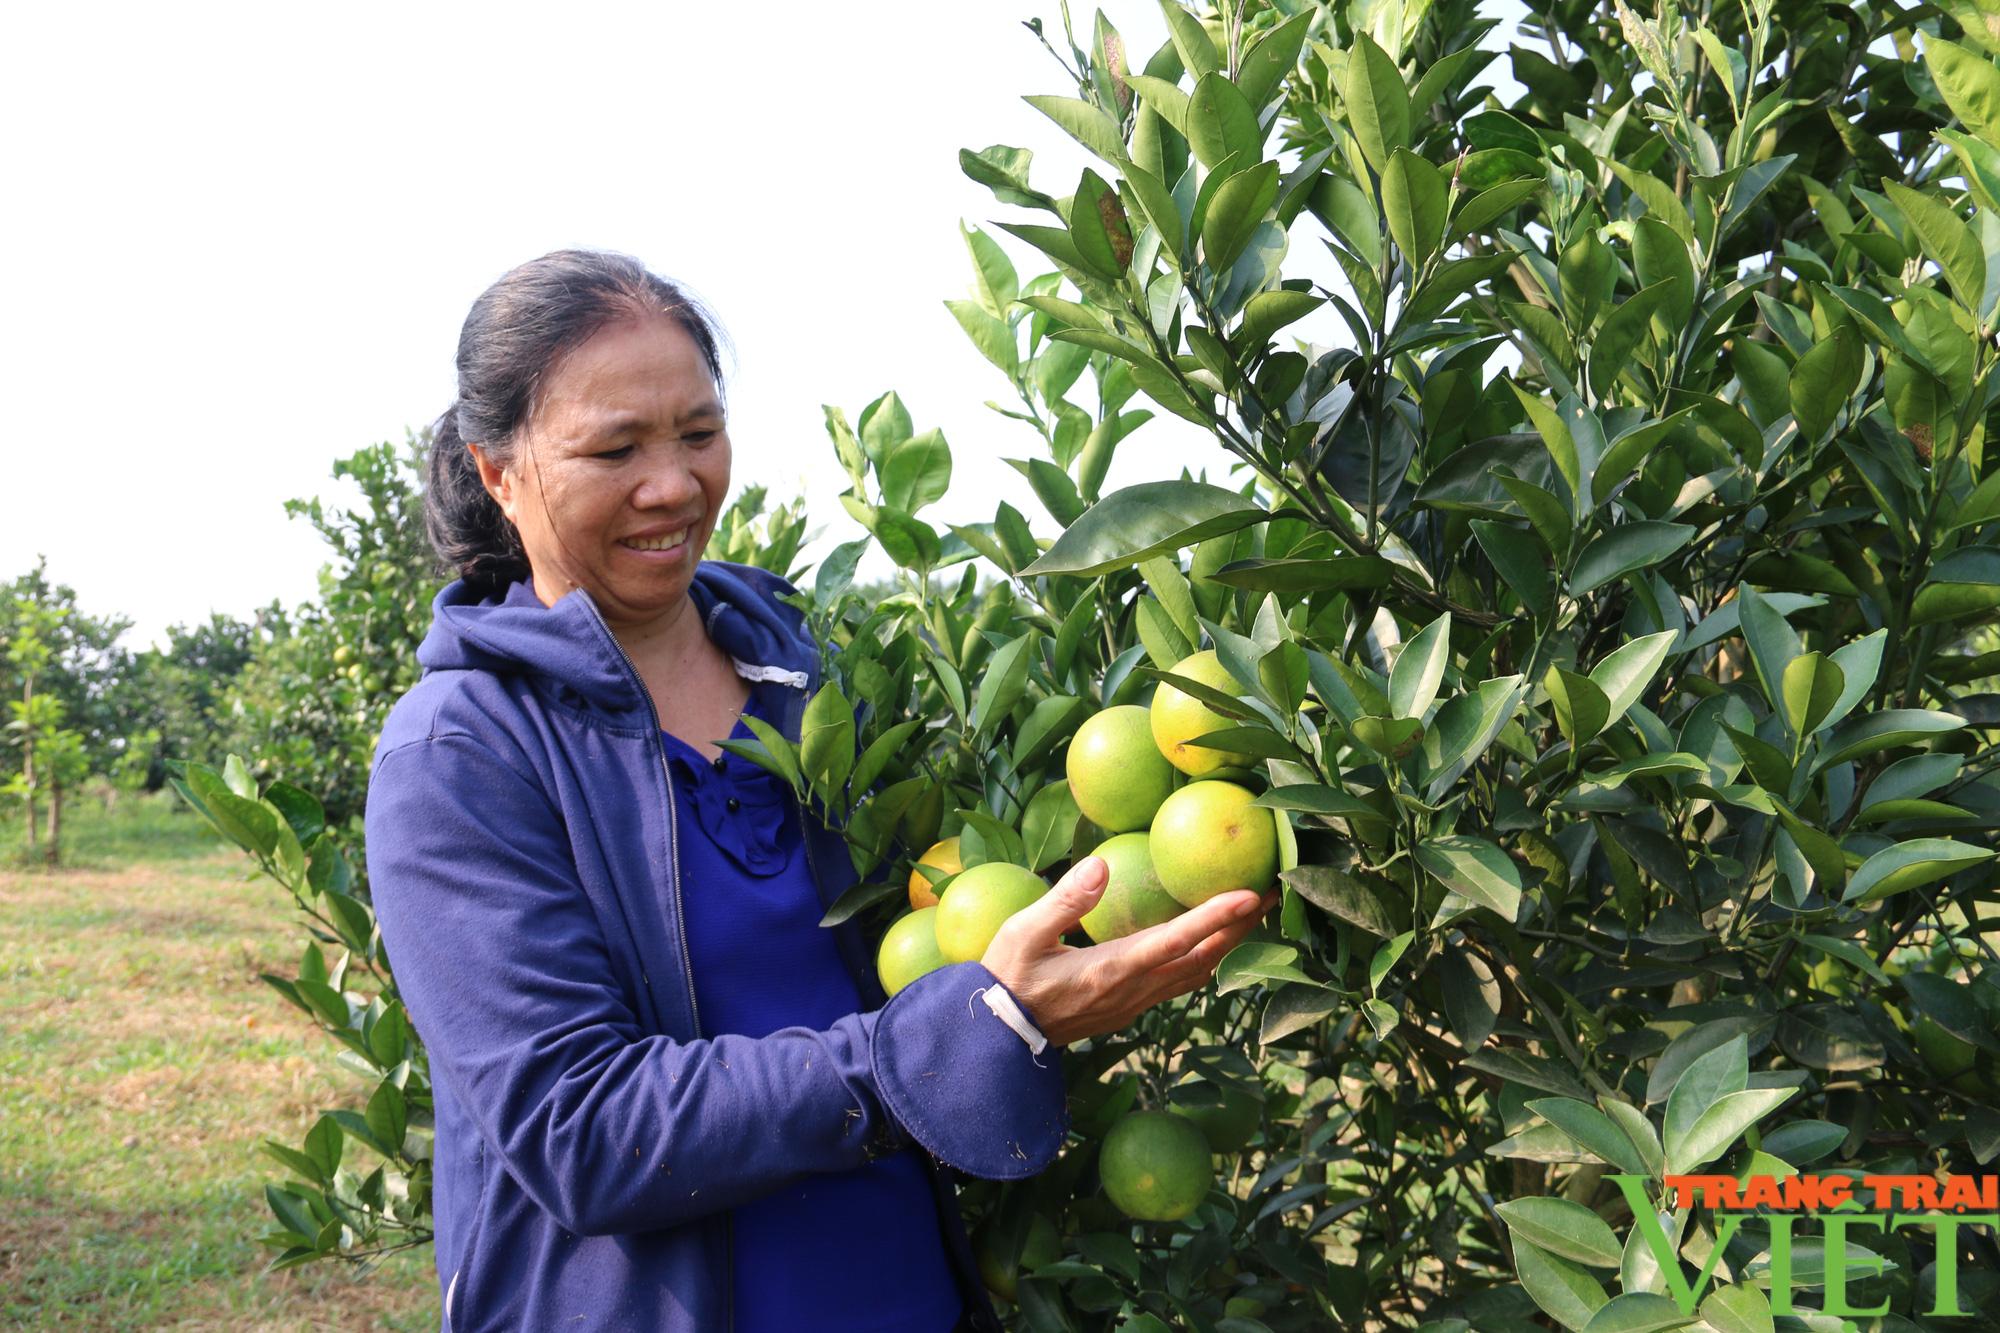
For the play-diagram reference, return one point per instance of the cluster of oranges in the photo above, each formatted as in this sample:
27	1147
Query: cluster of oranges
1180	832
1179	828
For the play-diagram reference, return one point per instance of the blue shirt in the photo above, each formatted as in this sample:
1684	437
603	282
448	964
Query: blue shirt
762	962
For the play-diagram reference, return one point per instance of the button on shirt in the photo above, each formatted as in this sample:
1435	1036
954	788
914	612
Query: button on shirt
860	1249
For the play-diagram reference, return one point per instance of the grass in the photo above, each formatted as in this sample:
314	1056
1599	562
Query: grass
141	1061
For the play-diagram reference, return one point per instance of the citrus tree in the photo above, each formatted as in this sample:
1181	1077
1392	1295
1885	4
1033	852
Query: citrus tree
1600	618
1602	623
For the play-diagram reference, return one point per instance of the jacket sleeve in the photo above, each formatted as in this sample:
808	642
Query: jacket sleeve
501	961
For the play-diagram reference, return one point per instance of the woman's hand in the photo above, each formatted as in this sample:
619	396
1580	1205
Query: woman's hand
1073	993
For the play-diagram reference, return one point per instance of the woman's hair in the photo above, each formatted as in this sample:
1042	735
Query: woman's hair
516	333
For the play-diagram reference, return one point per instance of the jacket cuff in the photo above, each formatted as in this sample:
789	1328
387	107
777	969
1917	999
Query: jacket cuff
962	1083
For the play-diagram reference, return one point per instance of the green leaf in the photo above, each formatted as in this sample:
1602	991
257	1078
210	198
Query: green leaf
1592	1130
1772	642
1221	122
1659	198
990	335
1267	64
1639	1311
1969	84
1564	1290
1157	205
1004	679
1822	381
879	752
1947	241
1556	438
1739	1308
1378	102
1414	200
1625	548
1086	124
1582	711
916	471
1343	897
1860	663
1812	686
1519	561
1049	825
998	286
769	751
826	741
1419	669
1476	869
1145	520
1722	1124
388	1115
1257	960
1004	171
1626	671
1267	312
292	1213
1963	583
1909	865
1881	731
1394	737
1711	1076
1562	1227
1191	40
1234	211
1294	1008
1098	227
1626	329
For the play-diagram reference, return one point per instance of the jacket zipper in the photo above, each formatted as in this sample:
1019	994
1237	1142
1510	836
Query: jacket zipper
680	915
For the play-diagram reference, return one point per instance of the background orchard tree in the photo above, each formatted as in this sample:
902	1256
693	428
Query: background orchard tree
51	756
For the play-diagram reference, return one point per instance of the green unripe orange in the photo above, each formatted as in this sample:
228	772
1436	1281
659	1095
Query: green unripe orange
1208	839
1117	775
973	906
1155	1166
1133	898
1178	718
909	949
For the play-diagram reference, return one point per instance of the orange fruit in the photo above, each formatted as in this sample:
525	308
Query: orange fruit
1155	1166
940	856
1208	839
975	904
1133	898
909	949
1117	775
1178	718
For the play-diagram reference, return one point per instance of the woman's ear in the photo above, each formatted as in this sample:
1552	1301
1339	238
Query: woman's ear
499	481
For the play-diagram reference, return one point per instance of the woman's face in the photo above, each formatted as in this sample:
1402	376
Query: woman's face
620	472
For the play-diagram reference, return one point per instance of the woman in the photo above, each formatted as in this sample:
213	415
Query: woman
666	1098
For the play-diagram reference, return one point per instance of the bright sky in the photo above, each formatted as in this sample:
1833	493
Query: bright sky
245	238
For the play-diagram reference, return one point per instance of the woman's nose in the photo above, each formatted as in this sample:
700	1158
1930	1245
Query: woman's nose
667	483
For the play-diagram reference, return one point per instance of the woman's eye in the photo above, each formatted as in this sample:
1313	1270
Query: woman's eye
622	451
702	436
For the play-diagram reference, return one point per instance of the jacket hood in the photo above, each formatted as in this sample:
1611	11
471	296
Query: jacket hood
509	632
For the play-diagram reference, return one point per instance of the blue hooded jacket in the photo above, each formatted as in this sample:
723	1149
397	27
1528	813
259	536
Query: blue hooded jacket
590	1140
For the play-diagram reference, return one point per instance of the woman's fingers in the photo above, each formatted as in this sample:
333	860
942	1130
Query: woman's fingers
1041	924
1159	945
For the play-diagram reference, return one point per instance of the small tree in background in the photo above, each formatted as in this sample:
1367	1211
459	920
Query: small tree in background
52	756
